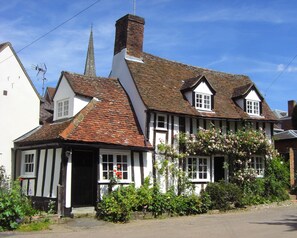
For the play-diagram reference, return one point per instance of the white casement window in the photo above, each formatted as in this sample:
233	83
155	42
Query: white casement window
203	101
28	163
115	164
253	107
161	122
258	164
198	168
63	108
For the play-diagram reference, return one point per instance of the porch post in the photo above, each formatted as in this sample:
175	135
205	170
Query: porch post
68	179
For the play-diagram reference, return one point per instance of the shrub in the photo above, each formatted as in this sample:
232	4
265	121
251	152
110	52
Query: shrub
14	207
118	205
277	180
144	196
224	196
158	205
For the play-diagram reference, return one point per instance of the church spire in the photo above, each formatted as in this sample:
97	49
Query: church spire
90	69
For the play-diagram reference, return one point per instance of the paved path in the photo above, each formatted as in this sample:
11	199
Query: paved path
272	222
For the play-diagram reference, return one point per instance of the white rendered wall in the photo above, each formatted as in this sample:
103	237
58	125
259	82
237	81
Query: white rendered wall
19	109
79	103
202	88
120	70
253	96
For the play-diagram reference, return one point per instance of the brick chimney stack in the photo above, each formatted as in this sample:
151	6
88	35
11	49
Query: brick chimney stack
291	105
129	34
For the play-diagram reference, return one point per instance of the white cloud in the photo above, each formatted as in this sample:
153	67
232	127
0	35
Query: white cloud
282	67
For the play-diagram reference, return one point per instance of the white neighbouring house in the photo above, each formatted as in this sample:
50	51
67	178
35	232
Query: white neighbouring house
19	104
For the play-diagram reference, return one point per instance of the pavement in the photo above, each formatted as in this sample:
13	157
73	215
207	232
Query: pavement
274	220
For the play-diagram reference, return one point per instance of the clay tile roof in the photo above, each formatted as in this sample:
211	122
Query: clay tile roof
159	82
51	91
107	119
190	83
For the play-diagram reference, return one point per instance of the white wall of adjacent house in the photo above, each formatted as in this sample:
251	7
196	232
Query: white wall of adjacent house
120	70
19	105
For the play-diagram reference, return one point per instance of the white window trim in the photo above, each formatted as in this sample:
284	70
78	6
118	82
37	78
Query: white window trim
165	122
63	104
253	107
208	179
115	153
28	174
203	108
253	157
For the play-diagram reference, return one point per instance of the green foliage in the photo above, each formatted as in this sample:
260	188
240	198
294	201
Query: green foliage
118	205
51	209
277	180
224	196
39	225
14	207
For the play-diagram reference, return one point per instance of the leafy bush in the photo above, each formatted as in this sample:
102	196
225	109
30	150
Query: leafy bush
118	205
14	207
277	180
224	196
158	206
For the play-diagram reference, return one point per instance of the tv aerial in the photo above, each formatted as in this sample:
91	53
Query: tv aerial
41	71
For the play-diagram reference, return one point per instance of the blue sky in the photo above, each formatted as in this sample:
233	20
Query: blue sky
255	37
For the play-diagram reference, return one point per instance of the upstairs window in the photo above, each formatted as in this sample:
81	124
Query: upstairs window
161	122
63	108
253	107
203	101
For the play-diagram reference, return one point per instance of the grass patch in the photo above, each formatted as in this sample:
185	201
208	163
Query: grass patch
38	225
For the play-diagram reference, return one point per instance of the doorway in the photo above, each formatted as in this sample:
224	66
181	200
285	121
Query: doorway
219	171
83	178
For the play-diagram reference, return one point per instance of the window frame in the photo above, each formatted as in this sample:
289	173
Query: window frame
62	108
165	122
258	167
115	166
197	171
26	154
253	107
204	106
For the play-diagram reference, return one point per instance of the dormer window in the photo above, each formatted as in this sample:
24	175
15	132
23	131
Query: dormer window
203	101
253	107
199	92
63	108
249	99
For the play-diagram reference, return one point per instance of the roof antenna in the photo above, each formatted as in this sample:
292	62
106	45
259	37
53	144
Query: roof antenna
41	69
134	7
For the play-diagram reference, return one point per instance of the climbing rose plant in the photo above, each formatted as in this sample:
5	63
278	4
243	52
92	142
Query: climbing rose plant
239	146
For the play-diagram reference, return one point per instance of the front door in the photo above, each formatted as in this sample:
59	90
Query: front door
83	178
219	171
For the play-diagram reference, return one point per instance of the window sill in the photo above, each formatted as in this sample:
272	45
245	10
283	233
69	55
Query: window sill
199	180
161	129
118	182
27	177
